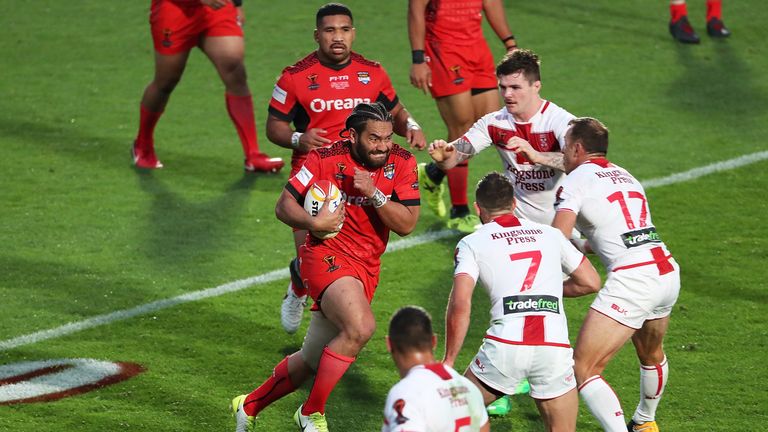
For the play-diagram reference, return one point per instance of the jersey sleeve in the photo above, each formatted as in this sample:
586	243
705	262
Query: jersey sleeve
570	257
561	126
569	197
465	261
406	188
283	104
401	412
307	175
387	95
478	135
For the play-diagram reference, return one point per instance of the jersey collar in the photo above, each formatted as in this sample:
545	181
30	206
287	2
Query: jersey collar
508	220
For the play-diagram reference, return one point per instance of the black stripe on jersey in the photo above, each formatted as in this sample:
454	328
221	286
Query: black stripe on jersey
297	115
409	203
292	190
388	104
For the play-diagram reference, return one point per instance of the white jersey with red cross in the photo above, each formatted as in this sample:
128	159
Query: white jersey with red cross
434	398
535	185
520	264
613	213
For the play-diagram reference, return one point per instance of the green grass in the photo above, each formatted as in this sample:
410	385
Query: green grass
85	234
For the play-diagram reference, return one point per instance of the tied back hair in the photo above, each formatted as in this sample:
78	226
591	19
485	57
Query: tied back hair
361	114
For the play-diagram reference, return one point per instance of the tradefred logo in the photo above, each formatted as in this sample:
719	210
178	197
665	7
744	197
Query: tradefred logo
640	237
531	303
47	380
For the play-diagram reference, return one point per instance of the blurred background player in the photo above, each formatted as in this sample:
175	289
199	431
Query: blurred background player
610	207
452	60
431	396
681	28
317	94
520	263
215	26
379	180
527	125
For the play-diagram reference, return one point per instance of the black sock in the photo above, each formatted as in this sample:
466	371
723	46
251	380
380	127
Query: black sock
434	173
459	211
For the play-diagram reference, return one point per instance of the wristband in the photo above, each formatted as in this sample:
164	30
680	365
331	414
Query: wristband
237	3
508	38
417	56
295	140
378	199
411	124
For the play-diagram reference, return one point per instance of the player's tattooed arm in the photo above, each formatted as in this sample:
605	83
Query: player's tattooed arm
550	159
448	155
464	149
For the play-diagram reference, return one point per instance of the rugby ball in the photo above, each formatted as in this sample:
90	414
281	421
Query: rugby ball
319	194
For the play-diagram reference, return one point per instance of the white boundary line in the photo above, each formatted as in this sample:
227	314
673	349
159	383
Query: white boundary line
275	275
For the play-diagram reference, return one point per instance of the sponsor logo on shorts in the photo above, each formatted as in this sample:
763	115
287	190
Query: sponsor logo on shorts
457	79
531	303
479	364
640	237
619	309
399	406
330	261
167	38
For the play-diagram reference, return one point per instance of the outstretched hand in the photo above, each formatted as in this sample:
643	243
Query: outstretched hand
440	150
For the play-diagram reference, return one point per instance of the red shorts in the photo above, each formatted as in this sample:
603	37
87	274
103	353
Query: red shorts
322	266
178	27
456	69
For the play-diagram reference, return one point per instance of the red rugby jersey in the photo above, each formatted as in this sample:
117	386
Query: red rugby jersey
363	236
313	95
456	22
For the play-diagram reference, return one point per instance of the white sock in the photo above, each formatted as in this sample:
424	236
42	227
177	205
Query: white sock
653	379
603	403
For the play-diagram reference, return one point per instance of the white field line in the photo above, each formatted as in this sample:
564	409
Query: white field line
274	275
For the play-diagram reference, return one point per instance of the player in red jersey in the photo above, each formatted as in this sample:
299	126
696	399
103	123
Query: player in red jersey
381	190
214	26
452	60
317	94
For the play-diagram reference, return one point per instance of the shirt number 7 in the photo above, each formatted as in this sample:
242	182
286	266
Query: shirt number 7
535	257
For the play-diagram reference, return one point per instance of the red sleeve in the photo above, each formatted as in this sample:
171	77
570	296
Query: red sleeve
283	102
406	187
307	175
387	95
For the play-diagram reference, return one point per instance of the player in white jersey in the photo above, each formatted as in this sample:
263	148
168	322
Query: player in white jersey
526	123
520	263
609	206
431	397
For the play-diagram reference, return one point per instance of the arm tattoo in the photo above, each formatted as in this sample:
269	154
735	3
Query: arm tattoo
553	160
464	149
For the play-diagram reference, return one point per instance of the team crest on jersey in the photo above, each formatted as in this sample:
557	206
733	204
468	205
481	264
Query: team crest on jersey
457	79
364	77
330	261
544	143
389	171
313	85
399	406
167	38
341	167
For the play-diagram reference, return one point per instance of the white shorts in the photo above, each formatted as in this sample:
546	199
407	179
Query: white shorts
321	331
633	296
502	366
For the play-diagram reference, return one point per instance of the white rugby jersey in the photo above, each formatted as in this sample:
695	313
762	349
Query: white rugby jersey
613	213
520	264
434	398
535	185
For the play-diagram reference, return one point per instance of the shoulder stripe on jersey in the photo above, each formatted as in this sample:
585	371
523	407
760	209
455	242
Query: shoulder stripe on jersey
303	64
401	152
544	108
292	190
439	370
362	60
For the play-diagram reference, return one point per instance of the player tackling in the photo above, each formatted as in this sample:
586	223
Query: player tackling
379	181
609	206
520	263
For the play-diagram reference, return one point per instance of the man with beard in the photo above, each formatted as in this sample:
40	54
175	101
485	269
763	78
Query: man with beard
317	94
379	182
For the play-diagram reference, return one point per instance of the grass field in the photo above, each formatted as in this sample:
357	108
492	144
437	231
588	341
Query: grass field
84	234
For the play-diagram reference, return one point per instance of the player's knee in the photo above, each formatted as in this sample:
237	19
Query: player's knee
362	331
167	85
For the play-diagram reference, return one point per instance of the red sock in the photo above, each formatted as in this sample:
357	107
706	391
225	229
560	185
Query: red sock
677	11
275	387
714	9
330	370
147	121
457	183
298	290
240	109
